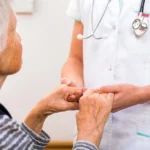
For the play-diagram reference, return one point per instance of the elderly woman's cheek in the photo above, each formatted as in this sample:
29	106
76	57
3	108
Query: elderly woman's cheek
18	56
15	57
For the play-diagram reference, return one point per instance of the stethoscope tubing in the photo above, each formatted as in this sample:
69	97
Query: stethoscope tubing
139	22
139	19
92	14
142	6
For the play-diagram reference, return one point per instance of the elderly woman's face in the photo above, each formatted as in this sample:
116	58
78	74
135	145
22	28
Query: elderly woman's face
11	56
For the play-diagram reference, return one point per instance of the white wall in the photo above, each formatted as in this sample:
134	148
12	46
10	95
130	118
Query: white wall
46	39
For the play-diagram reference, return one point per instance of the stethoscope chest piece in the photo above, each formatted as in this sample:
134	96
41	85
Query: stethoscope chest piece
140	25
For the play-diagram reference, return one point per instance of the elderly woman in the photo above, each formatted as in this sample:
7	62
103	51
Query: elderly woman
94	107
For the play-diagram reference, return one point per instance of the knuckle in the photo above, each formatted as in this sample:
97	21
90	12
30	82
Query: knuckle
83	99
90	96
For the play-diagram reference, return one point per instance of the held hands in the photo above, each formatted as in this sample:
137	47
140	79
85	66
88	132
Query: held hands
70	83
126	95
55	102
58	101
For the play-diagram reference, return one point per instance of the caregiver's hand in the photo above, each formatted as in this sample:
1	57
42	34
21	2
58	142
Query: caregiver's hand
92	116
68	82
126	95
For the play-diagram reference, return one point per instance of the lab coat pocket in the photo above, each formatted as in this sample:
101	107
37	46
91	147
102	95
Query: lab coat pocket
143	137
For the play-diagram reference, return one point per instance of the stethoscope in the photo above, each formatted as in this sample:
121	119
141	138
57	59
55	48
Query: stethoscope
82	37
140	25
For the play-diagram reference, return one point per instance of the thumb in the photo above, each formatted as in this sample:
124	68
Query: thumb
73	91
72	106
65	81
68	82
109	89
110	97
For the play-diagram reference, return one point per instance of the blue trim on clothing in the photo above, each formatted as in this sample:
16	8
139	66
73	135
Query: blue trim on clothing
136	11
142	134
76	19
121	3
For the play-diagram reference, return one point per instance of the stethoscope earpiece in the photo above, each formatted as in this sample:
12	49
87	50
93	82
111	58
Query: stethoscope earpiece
80	37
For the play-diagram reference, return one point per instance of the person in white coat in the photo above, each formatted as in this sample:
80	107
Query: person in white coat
108	54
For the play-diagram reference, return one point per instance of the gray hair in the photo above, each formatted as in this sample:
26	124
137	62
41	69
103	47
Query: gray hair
4	22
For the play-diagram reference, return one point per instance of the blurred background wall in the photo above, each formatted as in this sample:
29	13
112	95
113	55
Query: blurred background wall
46	36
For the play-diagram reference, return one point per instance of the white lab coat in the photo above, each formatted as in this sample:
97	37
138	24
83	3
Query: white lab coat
120	58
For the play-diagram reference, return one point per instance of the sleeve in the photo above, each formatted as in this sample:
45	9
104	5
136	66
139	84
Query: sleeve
73	10
15	136
84	145
40	141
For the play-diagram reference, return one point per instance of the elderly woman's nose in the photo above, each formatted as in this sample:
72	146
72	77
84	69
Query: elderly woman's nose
18	37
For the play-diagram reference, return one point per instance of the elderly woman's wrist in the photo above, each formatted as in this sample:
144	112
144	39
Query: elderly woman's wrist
43	108
35	120
93	137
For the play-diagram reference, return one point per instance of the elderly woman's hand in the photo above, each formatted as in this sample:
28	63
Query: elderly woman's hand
92	116
55	102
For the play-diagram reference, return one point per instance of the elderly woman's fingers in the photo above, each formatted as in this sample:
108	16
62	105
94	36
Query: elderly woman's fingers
87	103
88	92
68	91
104	95
84	103
110	97
72	106
106	101
73	98
76	97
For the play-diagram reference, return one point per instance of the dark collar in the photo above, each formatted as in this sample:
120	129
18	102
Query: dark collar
3	111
